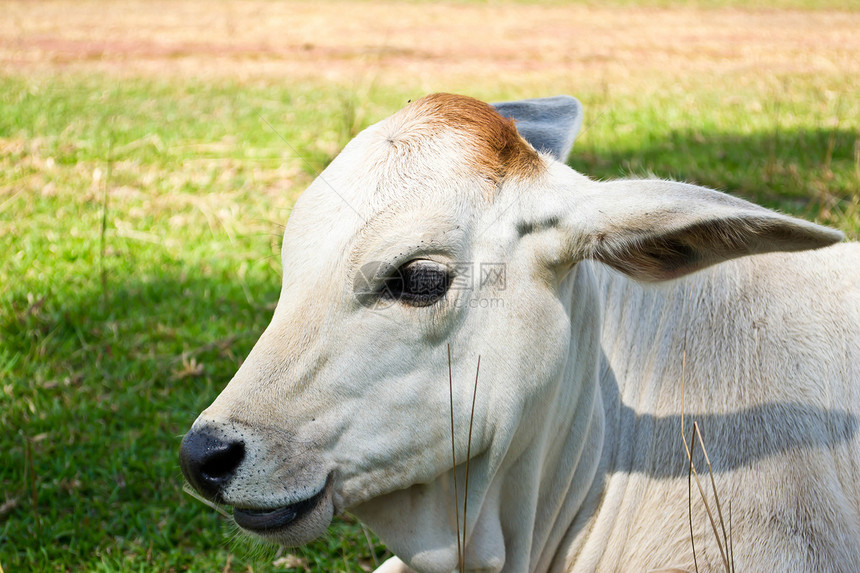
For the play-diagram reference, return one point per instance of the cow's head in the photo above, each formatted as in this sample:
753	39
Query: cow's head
441	228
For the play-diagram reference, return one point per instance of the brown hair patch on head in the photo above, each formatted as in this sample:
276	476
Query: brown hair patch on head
497	149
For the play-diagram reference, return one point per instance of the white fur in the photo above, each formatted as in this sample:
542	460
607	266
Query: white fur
577	459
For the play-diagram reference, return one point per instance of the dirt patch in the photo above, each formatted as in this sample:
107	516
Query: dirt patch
425	43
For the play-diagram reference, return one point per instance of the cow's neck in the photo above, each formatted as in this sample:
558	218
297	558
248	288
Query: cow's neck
547	470
642	342
570	452
543	476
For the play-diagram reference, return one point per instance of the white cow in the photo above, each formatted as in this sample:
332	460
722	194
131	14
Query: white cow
441	227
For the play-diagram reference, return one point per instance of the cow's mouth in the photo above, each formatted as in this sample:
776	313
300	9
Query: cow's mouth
270	520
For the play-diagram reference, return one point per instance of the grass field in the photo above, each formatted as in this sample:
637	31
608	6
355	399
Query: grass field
150	153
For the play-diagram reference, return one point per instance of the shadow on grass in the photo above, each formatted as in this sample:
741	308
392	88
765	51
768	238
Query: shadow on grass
103	391
800	171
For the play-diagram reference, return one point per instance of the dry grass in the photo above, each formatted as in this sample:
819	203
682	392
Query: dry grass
461	532
428	43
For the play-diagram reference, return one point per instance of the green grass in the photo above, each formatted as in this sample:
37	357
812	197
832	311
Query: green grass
140	226
111	344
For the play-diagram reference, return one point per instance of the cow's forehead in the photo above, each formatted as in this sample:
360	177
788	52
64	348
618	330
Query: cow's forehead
488	142
442	155
434	145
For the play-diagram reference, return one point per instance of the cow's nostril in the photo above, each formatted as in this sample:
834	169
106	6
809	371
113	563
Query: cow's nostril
209	462
223	461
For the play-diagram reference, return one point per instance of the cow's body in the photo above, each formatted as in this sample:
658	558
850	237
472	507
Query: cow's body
772	371
577	461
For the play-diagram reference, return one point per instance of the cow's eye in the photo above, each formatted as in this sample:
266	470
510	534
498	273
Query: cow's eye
418	283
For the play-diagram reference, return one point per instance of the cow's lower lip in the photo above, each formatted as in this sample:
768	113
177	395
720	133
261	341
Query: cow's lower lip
262	520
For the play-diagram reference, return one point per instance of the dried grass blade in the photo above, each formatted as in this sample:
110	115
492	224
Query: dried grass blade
690	508
716	497
187	489
369	545
468	458
460	556
691	469
723	553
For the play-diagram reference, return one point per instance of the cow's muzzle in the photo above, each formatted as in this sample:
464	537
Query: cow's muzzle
227	470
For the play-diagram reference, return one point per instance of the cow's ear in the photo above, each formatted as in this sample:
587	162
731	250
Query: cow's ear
656	230
549	124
